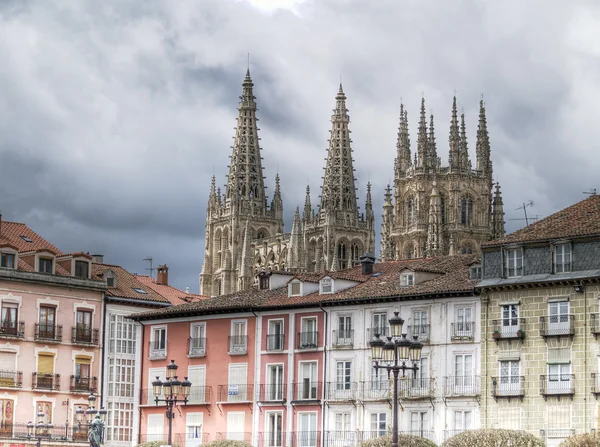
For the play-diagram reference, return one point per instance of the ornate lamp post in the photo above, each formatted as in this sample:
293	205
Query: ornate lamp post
39	428
174	391
393	355
95	421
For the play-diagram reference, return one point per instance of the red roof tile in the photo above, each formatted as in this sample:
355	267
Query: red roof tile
174	295
126	284
11	232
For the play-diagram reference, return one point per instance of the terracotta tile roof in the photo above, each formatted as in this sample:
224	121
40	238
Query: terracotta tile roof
126	283
11	232
78	254
174	295
383	283
580	219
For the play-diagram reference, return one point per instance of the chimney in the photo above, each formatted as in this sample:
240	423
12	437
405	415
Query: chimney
98	259
187	290
163	275
367	262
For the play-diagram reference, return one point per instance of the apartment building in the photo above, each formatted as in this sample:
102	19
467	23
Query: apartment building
539	295
302	374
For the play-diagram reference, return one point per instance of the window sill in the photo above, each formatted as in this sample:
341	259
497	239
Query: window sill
238	352
196	355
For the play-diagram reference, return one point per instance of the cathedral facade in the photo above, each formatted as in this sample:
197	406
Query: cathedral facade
245	235
439	210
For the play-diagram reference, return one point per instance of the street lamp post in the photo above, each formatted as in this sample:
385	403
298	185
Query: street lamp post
38	429
393	356
90	414
174	391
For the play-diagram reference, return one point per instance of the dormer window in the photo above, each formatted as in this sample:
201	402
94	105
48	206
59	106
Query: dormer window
514	262
111	278
475	273
295	289
562	258
8	260
263	282
326	285
407	279
110	282
82	269
45	265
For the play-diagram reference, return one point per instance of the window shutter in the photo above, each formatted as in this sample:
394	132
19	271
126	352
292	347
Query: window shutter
8	361
197	375
83	360
45	363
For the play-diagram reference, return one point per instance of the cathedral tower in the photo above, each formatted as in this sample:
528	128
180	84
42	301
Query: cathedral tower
441	210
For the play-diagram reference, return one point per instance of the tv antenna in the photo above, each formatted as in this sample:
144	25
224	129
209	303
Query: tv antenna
524	208
591	192
151	269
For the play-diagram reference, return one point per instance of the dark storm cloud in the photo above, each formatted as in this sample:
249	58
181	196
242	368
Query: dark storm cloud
115	114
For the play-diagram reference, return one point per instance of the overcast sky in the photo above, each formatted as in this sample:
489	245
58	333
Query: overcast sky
114	114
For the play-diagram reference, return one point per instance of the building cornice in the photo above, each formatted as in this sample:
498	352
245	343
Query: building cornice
52	280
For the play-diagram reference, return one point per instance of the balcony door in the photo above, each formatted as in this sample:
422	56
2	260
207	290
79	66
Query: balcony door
274	429
237	388
275	335
45	371
308	430
84	326
558	317
420	382
308	381
380	324
510	320
464	325
345	330
275	385
47	320
510	380
463	373
9	318
7	411
308	337
82	373
559	377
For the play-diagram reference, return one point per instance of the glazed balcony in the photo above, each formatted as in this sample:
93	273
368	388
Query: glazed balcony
308	340
48	333
420	330
45	381
595	323
12	329
272	392
238	344
196	347
340	438
375	390
508	387
462	330
84	335
418	388
343	339
200	395
557	326
306	439
235	393
11	379
557	385
275	342
459	386
595	384
83	384
341	391
508	329
307	391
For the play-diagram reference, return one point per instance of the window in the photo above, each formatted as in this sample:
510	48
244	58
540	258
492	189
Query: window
82	373
308	381
83	326
8	261
239	342
156	427
407	279
235	425
45	371
462	420
45	265
307	437
46	409
355	253
510	320
342	422
274	429
463	371
475	273
421	378
343	371
420	326
295	288
158	343
510	380
514	262
121	377
379	380
380	324
559	377
275	336
344	335
26	239
418	424
138	290
193	429
110	281
562	258
308	336
379	423
7	411
263	282
410	212
122	335
237	389
341	254
10	325
558	317
326	285
198	339
275	382
464	324
82	269
466	211
197	375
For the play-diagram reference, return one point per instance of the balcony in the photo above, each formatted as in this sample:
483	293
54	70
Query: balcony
238	345
557	385
508	329
272	392
308	340
340	438
462	331
235	436
555	436
11	379
420	330
196	347
266	439
275	342
307	391
341	391
306	439
235	393
419	388
84	335
12	329
83	384
61	435
193	438
557	326
508	387
342	339
459	386
48	333
368	435
148	398
200	395
157	349
382	331
45	381
375	390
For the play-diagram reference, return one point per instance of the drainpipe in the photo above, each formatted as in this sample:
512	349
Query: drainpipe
141	385
326	315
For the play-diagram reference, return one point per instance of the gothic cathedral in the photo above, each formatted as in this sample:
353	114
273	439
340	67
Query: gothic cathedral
440	210
244	235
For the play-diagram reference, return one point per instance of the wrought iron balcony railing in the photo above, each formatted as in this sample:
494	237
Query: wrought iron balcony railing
306	438
416	388
12	329
200	395
340	438
84	335
11	379
557	325
462	330
462	386
269	439
196	346
275	342
308	340
157	349
508	386
307	391
341	391
238	344
45	381
508	328
235	392
557	384
235	436
420	330
595	323
382	331
83	384
48	333
595	384
343	339
375	390
272	392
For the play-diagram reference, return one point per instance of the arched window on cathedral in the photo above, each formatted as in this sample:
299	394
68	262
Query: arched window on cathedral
443	209
410	251
466	211
410	211
217	249
355	254
341	254
261	234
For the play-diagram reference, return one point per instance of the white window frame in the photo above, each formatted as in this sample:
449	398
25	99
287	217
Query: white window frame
326	286
379	419
343	421
512	384
315	331
191	435
311	381
407	279
345	384
281	333
270	440
238	346
280	386
197	351
565	267
158	353
291	288
460	420
307	440
514	257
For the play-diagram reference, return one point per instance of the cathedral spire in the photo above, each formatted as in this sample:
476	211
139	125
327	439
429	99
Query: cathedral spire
212	196
464	150
294	250
403	156
454	139
432	147
498	215
246	260
422	138
387	248
434	228
307	215
339	192
482	147
245	181
277	203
